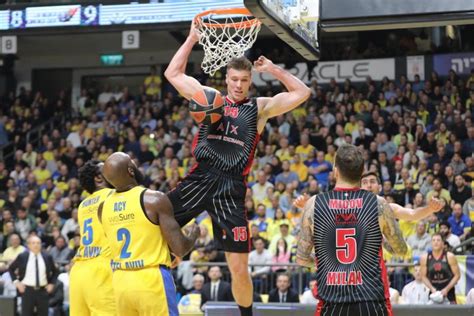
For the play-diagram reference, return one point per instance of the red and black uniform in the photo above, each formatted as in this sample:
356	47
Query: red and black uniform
224	152
351	274
440	273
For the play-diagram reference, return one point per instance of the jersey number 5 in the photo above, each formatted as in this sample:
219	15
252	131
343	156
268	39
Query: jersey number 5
124	234
87	232
346	245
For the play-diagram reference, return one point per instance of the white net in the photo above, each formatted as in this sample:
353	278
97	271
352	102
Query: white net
224	38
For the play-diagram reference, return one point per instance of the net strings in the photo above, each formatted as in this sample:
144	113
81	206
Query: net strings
222	44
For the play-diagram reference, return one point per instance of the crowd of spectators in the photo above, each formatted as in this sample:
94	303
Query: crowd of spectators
418	137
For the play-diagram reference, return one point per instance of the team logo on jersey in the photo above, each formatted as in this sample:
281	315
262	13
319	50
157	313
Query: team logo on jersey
437	266
350	218
231	111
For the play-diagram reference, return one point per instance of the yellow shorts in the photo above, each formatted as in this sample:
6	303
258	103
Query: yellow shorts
146	292
90	290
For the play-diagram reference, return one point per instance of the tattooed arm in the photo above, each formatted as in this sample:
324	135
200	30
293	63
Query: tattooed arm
305	250
390	228
408	214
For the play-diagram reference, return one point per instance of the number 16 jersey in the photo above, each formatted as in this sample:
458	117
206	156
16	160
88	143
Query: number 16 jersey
348	247
136	243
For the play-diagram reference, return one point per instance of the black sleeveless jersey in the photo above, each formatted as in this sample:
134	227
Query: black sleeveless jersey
348	247
229	144
440	273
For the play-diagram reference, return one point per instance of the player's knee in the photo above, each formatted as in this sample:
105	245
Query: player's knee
239	268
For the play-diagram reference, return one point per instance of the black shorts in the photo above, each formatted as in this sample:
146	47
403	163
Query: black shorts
220	194
370	308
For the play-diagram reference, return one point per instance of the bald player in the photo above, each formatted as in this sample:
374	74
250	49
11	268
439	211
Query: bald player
140	225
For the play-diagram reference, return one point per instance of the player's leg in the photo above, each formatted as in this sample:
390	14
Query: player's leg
77	282
148	292
188	197
100	295
230	226
242	287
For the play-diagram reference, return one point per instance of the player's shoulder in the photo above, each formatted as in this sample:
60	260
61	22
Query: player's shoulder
152	196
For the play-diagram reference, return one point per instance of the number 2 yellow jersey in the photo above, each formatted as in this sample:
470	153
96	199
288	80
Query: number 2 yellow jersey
93	241
135	241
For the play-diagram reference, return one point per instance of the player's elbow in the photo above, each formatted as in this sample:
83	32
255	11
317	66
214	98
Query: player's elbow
170	74
304	262
401	249
303	94
179	251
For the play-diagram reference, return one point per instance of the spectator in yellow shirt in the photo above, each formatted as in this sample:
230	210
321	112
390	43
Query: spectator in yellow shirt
298	167
284	152
14	249
41	173
439	192
30	156
351	125
153	83
305	150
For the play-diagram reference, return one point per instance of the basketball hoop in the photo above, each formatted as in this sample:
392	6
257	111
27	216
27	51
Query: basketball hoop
225	34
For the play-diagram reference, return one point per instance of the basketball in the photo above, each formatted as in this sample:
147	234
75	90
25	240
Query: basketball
206	106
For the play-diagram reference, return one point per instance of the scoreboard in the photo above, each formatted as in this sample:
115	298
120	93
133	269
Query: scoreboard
107	14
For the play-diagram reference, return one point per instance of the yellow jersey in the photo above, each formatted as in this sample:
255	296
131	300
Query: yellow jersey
135	241
93	242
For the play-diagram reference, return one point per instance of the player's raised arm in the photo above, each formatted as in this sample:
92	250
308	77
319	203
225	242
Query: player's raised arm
390	228
283	102
160	204
187	86
408	214
305	250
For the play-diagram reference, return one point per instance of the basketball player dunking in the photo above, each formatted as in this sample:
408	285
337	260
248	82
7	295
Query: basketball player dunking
347	242
217	182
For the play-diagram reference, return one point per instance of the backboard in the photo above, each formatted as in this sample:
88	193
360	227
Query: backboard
294	21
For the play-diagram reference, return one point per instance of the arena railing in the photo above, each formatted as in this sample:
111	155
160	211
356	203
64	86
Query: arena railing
462	247
33	136
300	276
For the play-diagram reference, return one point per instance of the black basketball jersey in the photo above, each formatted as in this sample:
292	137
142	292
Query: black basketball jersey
348	247
229	144
440	273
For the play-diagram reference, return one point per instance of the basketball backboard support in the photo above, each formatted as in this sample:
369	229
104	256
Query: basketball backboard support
363	15
294	21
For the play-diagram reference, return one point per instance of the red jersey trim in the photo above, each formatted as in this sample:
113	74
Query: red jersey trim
252	155
236	103
386	291
341	189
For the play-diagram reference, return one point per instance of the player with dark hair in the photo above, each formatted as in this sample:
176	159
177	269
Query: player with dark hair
370	182
440	271
91	290
345	242
224	152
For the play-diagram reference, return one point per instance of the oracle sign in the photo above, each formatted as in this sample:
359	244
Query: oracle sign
354	70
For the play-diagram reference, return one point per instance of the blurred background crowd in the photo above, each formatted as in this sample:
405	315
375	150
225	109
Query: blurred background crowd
417	136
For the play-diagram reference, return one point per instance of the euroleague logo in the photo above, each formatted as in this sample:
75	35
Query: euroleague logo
350	218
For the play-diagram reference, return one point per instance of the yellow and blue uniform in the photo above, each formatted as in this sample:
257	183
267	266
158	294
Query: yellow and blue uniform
142	281
91	291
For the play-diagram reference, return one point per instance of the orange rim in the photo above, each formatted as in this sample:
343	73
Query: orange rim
241	11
